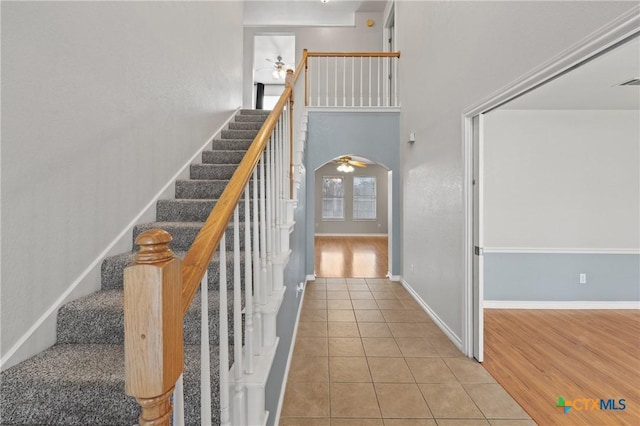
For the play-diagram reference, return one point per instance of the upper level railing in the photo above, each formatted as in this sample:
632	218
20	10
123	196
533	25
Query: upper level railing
351	79
159	288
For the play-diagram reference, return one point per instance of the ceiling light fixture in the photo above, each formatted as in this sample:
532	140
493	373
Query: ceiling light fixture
345	168
324	1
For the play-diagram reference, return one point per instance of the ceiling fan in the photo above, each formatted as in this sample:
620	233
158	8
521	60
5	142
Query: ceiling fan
345	164
280	67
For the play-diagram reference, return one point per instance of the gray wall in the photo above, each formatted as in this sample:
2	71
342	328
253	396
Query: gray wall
373	135
294	273
102	103
454	54
348	225
555	277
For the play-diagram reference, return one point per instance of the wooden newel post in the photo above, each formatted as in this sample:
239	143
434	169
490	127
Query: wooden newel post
153	344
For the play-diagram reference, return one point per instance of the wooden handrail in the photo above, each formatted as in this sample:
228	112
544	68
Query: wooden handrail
197	259
355	54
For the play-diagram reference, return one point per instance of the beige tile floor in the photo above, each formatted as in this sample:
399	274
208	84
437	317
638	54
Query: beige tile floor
367	354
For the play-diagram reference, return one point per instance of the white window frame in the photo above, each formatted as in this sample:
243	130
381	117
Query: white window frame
334	219
374	197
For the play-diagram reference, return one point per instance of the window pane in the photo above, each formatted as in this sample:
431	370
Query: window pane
332	198
364	197
364	186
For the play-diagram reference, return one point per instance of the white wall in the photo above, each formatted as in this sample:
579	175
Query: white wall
320	39
562	179
102	103
454	54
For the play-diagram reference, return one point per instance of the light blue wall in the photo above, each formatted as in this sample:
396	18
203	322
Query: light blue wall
555	277
293	274
373	135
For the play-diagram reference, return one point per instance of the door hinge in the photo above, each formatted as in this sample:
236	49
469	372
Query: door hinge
477	251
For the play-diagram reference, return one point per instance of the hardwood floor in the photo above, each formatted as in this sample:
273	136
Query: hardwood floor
351	257
541	355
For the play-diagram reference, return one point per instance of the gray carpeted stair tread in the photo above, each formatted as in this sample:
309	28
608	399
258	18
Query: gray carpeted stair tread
263	112
98	318
184	233
226	156
244	118
84	385
200	188
231	144
212	171
113	269
189	210
238	134
246	125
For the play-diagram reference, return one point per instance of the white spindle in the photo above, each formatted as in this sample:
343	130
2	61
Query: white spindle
257	278
335	79
268	195
379	77
205	349
327	86
369	80
353	81
178	403
264	277
318	68
224	336
395	81
248	284
238	397
344	81
361	78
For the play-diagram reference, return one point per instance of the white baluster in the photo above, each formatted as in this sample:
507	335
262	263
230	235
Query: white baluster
344	81
327	85
353	81
248	284
268	195
369	80
335	78
256	265
224	336
361	78
378	84
205	367
395	82
238	397
318	68
264	272
178	403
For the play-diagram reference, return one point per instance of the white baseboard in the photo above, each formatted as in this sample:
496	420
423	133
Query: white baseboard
293	343
394	278
97	262
441	324
571	304
310	278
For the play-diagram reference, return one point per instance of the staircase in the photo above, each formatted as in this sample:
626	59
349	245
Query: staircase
80	380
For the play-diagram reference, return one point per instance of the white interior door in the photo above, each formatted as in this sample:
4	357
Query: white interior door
478	290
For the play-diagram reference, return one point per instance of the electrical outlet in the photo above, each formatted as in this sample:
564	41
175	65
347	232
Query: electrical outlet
583	278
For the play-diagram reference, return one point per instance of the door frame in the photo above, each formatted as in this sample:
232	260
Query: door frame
623	28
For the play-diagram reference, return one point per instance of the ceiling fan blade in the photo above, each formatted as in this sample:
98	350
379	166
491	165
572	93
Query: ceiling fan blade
357	163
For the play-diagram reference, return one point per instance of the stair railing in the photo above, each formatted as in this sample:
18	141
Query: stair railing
160	288
351	79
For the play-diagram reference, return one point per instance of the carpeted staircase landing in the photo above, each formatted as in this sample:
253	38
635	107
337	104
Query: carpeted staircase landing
80	380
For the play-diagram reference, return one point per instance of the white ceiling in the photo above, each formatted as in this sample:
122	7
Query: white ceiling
594	85
307	12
